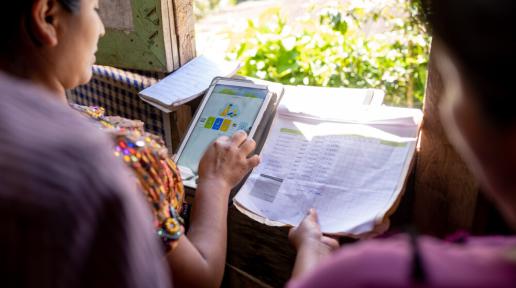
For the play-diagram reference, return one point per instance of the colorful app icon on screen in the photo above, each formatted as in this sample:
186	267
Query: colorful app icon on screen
217	124
230	110
225	125
209	122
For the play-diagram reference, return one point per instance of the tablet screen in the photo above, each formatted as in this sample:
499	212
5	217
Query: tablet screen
229	109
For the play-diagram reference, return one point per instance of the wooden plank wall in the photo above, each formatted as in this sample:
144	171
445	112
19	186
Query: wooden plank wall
160	36
258	255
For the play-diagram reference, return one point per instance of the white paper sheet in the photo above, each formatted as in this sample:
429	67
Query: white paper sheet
187	82
351	173
326	101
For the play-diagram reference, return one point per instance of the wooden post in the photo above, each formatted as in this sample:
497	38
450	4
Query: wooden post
179	122
445	191
185	29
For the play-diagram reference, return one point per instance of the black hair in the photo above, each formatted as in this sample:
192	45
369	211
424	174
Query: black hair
71	5
18	10
481	35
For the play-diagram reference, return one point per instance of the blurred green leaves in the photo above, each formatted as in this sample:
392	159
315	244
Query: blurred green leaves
204	7
354	45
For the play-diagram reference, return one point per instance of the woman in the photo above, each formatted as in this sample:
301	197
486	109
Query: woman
103	238
474	44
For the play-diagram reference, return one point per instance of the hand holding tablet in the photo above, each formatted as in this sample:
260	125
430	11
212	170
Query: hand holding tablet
226	160
229	106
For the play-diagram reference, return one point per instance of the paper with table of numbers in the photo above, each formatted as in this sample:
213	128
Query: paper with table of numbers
350	167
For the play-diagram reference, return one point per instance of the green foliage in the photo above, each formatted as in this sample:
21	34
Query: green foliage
357	45
204	7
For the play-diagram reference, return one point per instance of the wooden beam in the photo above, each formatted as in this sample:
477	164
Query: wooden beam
185	29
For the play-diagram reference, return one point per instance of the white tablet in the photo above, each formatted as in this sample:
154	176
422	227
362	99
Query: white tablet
229	106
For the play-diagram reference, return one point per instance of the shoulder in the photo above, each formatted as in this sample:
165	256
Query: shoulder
480	262
61	184
52	159
43	138
389	262
368	262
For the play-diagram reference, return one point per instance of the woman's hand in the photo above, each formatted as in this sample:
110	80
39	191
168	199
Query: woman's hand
226	160
311	245
308	234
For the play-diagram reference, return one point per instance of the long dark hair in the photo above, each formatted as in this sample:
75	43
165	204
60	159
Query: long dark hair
481	35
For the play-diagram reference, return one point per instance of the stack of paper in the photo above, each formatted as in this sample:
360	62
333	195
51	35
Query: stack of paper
188	82
350	165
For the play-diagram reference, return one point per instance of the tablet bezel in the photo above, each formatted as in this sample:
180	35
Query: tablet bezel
209	93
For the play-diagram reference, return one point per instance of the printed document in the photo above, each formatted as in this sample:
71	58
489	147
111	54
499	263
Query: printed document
350	167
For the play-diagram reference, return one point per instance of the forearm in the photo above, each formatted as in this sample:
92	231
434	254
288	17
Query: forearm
199	259
308	257
189	268
208	226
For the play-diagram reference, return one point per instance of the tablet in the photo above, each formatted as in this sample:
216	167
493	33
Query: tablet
229	106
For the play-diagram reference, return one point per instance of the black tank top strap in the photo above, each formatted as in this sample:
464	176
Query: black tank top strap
417	273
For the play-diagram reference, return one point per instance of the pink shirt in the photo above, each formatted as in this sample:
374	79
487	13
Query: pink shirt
480	262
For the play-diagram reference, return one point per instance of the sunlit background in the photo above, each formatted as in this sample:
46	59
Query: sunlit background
357	43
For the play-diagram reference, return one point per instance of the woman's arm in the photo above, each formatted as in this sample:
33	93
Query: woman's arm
199	260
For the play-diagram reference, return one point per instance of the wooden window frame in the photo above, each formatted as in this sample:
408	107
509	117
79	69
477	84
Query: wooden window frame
162	38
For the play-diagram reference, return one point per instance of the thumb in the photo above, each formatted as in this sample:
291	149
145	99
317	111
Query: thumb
312	215
330	242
